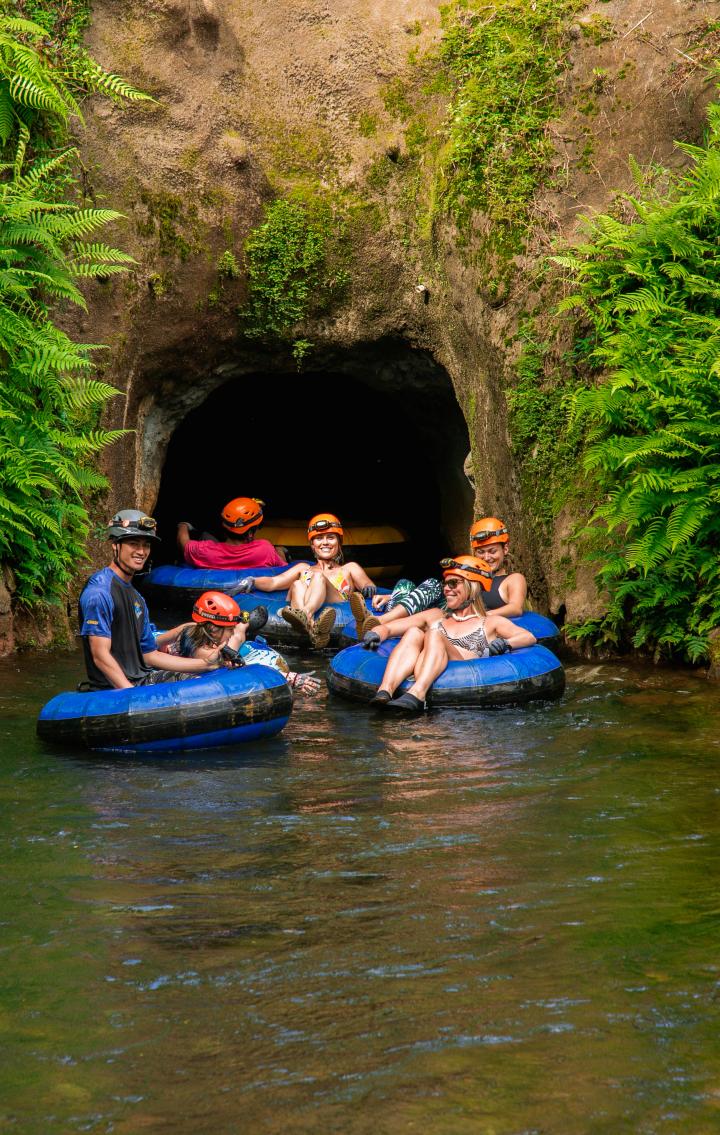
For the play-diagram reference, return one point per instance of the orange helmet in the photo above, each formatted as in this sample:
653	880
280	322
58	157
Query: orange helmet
325	524
469	567
489	530
241	514
217	608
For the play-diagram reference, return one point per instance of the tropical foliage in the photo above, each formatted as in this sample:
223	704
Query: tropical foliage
291	268
504	63
49	401
650	290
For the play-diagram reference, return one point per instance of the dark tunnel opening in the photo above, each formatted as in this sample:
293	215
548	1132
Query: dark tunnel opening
390	453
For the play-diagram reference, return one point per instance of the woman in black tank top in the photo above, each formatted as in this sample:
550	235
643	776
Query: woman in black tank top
489	538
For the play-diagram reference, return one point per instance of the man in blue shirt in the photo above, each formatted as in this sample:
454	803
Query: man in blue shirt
117	636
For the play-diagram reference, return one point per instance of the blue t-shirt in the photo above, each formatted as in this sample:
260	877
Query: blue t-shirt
111	608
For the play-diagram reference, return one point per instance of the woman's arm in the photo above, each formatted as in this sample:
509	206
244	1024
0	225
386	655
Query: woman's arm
279	582
380	602
497	626
160	661
358	576
167	638
515	588
394	628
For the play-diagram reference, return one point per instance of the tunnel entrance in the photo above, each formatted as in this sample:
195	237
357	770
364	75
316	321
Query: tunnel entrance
376	440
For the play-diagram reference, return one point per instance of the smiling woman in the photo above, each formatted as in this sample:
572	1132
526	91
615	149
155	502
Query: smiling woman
310	586
430	639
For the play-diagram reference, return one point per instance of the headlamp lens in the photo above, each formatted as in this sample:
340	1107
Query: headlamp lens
488	533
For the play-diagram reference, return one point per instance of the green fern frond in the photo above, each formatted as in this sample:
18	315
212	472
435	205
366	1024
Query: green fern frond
101	254
105	83
81	222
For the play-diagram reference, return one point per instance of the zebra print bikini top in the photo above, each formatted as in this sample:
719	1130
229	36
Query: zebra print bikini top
475	640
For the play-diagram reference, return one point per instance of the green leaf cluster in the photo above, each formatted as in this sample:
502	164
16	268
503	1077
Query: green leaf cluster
544	438
294	267
504	62
49	401
650	292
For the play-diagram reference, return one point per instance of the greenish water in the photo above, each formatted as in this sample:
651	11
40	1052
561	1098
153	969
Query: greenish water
498	923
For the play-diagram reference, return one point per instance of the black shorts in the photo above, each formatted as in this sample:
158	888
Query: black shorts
155	677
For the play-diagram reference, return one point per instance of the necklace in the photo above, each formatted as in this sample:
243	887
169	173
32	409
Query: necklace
464	618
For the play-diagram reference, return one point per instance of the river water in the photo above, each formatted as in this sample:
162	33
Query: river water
496	923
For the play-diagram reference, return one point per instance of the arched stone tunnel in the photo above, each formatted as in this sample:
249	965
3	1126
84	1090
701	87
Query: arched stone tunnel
372	432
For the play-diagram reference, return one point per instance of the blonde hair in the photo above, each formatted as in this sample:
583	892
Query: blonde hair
474	592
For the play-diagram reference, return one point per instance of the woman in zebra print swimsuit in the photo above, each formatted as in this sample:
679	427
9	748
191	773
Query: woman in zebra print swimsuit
433	638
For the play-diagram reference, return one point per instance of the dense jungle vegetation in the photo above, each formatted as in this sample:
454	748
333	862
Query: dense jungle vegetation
648	293
49	401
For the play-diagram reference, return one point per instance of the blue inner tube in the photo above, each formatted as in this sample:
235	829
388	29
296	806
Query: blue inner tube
223	707
178	586
544	629
277	630
528	674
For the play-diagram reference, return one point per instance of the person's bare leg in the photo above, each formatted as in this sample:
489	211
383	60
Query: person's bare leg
295	613
296	594
315	595
403	660
434	660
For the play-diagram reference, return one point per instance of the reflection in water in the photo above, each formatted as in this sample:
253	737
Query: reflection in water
498	922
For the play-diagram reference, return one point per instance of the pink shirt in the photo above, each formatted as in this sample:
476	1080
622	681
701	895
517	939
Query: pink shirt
211	554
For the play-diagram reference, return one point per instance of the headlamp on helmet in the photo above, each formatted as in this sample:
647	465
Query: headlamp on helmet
471	568
217	608
131	522
489	530
325	524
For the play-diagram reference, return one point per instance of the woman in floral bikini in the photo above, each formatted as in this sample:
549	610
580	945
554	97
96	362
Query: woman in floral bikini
309	586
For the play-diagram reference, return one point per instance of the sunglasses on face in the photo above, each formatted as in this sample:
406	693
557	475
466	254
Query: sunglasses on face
451	584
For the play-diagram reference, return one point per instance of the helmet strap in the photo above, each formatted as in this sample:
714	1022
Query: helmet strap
123	571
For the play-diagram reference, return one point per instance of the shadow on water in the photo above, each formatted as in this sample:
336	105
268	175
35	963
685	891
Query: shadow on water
502	922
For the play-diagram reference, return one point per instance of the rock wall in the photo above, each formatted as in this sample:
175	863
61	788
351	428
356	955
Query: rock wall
258	97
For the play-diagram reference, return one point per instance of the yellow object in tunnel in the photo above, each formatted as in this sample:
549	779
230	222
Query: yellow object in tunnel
380	548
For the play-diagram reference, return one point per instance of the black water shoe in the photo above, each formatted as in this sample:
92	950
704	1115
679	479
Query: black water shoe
256	622
381	699
407	703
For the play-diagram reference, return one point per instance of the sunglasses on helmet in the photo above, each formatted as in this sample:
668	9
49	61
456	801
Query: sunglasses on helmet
455	565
